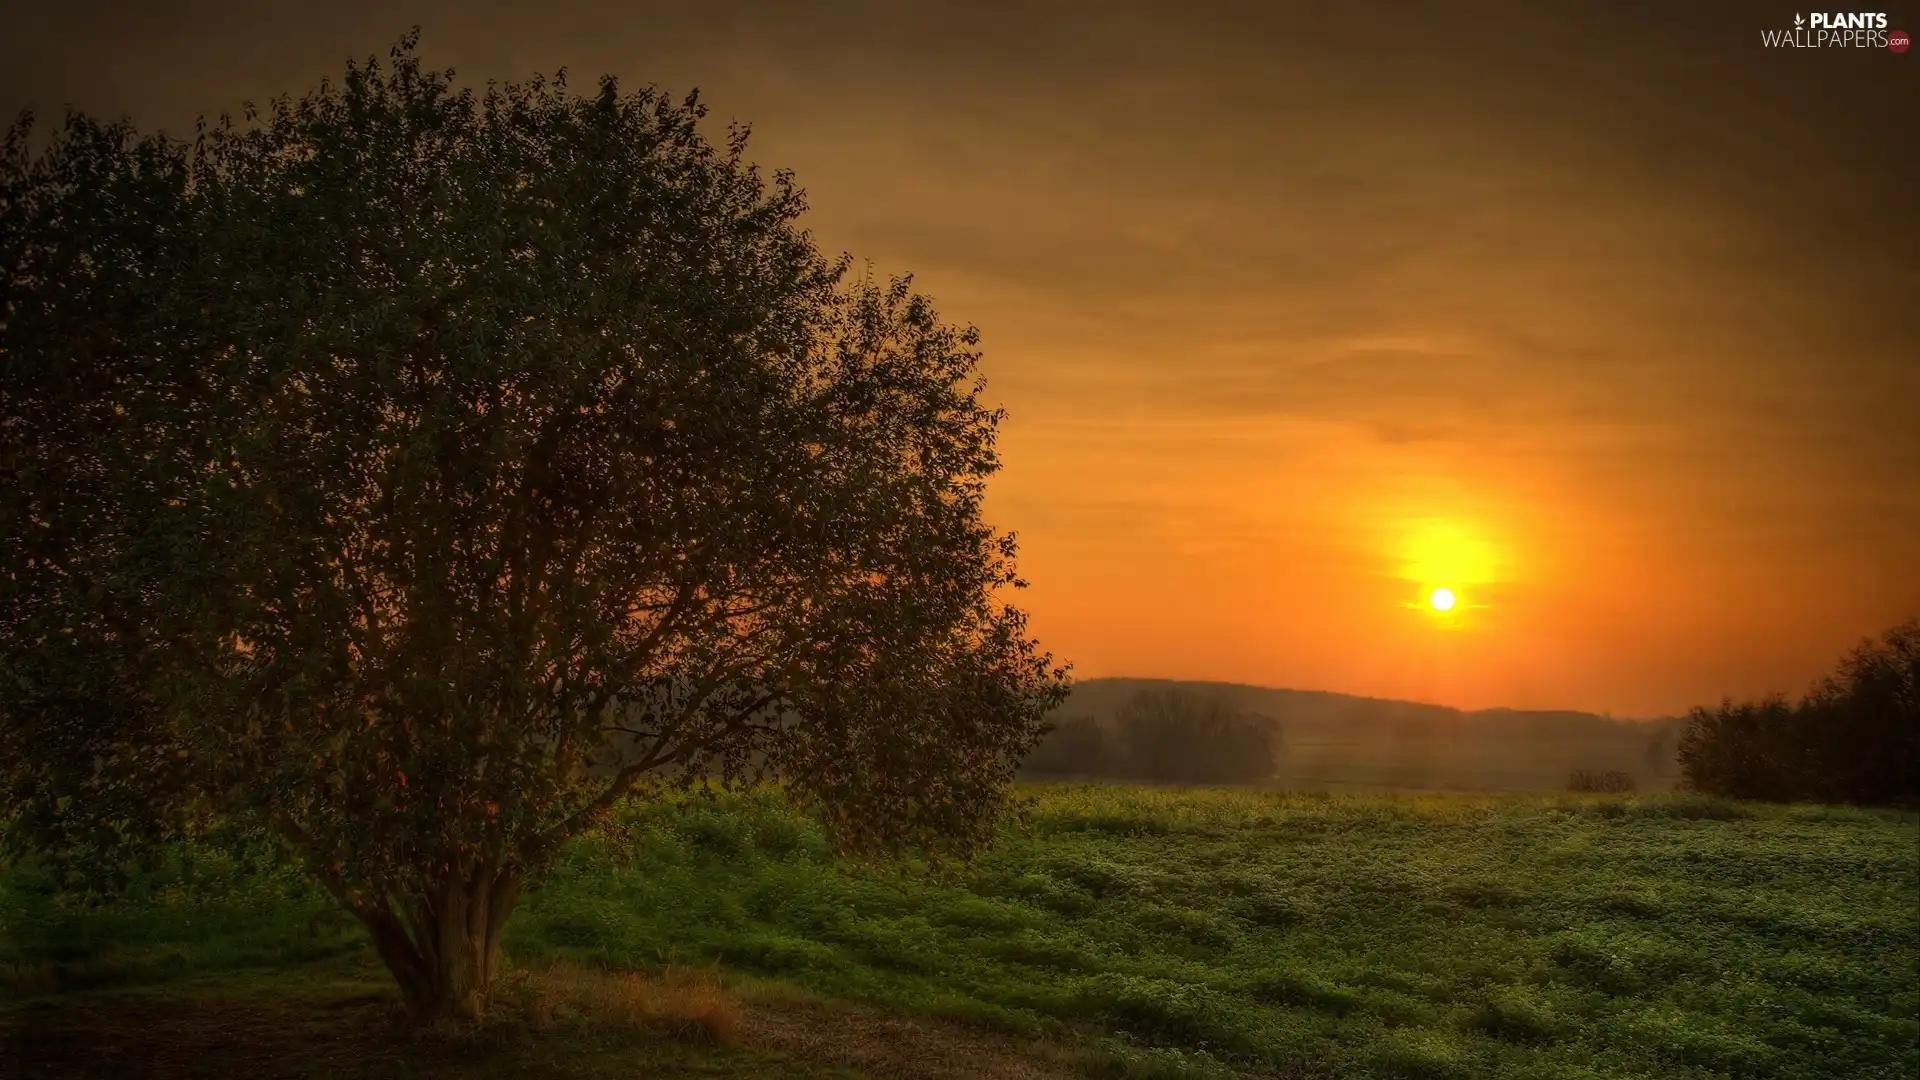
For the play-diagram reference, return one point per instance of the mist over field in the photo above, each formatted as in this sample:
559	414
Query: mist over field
1340	742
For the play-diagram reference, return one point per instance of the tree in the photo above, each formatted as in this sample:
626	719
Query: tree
1659	752
1865	722
88	767
1072	746
1164	735
1178	736
1742	751
1855	738
419	473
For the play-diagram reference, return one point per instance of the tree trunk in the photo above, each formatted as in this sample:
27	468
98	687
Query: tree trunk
444	948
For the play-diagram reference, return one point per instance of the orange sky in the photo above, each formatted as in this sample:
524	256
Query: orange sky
1600	315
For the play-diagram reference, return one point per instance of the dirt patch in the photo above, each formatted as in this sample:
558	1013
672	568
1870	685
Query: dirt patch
265	1038
189	1040
896	1047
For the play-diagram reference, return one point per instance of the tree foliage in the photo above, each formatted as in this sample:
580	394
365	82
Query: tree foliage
1855	738
89	234
418	472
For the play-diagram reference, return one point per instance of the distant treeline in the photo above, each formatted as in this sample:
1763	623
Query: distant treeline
1167	735
1855	738
1129	729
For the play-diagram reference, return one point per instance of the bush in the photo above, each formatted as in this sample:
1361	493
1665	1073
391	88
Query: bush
1609	782
1855	738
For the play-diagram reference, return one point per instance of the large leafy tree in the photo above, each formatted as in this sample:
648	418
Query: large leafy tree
418	473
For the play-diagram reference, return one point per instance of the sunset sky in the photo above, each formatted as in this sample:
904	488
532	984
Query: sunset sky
1601	315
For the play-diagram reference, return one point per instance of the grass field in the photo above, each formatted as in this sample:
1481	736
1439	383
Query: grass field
1155	933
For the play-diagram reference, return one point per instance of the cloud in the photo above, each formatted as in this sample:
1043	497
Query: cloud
1259	283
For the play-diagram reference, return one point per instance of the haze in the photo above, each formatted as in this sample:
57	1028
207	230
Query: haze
1600	316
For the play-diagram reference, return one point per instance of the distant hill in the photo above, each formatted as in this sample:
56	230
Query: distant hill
1344	742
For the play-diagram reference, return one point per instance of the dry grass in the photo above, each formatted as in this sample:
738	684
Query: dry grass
875	1042
685	1004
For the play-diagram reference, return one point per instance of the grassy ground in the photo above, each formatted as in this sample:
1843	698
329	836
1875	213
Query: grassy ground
1177	933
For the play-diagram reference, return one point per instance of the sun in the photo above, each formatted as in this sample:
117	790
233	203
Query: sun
1442	599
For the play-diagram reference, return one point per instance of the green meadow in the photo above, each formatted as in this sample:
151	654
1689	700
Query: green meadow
1145	932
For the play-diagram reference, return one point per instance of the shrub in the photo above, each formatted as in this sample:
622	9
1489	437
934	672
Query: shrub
1609	782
